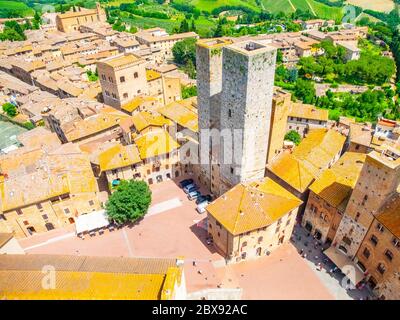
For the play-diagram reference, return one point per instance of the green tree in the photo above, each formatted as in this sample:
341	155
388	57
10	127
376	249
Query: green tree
190	69
189	91
133	29
129	202
184	51
305	91
10	109
219	31
279	56
184	27
193	27
293	136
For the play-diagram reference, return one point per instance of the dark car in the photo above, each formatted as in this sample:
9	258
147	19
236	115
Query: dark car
185	182
203	198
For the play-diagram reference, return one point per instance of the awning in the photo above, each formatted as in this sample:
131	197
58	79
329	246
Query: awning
345	265
91	221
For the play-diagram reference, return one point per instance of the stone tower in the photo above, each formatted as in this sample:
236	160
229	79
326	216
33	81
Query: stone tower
246	103
101	14
209	86
378	180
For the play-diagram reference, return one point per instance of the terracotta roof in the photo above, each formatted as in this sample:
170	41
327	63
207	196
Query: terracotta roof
121	60
136	102
389	215
181	112
80	277
4	238
304	164
360	134
145	119
118	156
336	184
247	207
387	122
71	14
106	119
35	175
307	111
155	143
152	75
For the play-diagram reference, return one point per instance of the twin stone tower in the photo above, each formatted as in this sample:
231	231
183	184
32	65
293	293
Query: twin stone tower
234	90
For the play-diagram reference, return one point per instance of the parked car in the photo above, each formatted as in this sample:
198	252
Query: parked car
185	182
194	195
203	198
190	187
201	208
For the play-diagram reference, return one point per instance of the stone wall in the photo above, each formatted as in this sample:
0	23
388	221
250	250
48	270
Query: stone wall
246	106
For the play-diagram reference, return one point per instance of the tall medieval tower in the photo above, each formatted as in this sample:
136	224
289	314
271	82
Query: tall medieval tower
209	86
246	104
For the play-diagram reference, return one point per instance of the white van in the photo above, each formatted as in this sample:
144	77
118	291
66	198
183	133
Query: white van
201	207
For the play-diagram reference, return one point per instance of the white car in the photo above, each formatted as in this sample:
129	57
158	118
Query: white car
201	207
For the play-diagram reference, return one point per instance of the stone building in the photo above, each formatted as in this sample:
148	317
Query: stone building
297	170
378	181
303	117
235	87
279	118
122	78
70	21
153	157
209	87
329	196
246	104
360	138
379	253
252	219
45	185
158	38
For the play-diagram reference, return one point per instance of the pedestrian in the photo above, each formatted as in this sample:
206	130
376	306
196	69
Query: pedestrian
194	263
199	272
301	252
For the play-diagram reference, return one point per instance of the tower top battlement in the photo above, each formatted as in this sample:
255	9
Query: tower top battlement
250	48
214	43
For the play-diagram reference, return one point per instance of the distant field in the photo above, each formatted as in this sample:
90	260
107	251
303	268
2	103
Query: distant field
276	6
377	5
317	8
365	15
324	11
209	5
17	7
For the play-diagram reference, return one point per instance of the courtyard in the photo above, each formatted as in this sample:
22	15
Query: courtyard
173	228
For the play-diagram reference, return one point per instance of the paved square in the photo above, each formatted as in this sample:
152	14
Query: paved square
172	230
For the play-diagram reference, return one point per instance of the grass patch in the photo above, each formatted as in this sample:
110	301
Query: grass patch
18	8
209	5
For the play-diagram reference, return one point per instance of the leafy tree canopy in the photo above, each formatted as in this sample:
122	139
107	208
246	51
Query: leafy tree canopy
293	136
129	202
10	109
